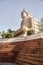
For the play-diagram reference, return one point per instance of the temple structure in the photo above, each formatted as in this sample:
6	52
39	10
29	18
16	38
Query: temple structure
23	49
28	23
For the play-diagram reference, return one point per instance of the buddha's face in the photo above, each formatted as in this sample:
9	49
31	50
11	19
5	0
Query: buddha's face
23	15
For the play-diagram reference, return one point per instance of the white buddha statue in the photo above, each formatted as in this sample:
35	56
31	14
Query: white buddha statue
26	20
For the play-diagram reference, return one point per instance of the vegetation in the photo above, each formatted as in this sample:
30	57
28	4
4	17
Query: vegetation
41	25
3	34
30	32
8	34
41	28
9	31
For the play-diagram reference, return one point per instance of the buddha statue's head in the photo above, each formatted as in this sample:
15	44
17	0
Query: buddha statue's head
23	14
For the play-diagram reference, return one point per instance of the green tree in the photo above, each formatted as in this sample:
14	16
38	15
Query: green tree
3	34
9	30
29	32
9	35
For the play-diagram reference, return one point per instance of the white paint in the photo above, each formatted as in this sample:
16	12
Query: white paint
21	38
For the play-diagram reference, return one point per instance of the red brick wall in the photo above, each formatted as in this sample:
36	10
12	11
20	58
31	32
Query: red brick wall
25	52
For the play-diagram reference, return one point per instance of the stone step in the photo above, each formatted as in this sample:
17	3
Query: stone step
29	61
22	63
32	58
31	55
37	51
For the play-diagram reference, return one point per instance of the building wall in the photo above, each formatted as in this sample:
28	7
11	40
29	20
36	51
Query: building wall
24	52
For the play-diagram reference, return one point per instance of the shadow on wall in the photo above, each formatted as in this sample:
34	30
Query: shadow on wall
8	64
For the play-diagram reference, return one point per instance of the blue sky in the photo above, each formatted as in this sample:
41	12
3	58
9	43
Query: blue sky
10	12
